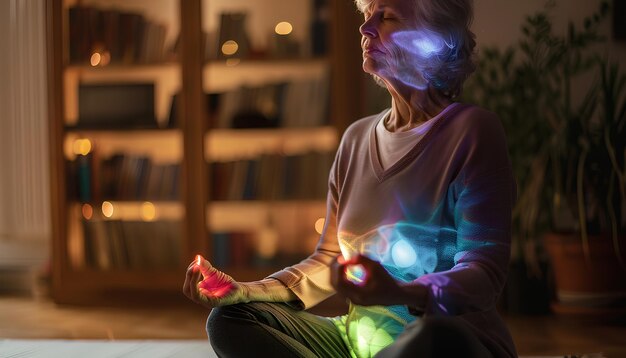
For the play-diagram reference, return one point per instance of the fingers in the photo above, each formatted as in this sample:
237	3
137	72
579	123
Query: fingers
337	269
192	277
339	278
203	264
353	278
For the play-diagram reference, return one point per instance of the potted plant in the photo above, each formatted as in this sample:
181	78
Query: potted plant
563	109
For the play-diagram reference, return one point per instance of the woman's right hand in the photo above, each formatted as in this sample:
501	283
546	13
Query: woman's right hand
210	287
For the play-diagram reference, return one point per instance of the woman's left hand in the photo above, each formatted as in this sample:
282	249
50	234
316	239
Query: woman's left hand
373	285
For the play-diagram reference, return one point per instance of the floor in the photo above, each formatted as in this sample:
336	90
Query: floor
26	317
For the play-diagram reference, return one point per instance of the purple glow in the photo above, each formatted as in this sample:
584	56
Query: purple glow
416	57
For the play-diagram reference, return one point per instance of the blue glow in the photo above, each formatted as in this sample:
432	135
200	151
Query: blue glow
403	254
406	250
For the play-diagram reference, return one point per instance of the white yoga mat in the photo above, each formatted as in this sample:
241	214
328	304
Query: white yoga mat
25	348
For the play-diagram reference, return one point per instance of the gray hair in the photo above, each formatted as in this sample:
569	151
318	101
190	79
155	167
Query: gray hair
452	20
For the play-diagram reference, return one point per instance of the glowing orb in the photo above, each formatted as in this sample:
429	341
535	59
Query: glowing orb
356	274
403	254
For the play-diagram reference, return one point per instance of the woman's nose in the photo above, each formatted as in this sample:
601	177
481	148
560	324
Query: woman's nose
367	29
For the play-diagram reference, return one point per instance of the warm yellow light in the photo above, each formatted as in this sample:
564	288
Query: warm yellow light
283	28
81	146
231	62
95	59
230	47
319	225
87	211
148	211
107	209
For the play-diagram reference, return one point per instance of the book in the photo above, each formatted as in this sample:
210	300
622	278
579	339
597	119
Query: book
83	177
221	249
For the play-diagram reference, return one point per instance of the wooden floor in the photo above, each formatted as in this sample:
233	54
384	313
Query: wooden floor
39	318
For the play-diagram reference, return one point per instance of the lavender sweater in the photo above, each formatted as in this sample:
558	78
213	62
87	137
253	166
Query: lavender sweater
440	216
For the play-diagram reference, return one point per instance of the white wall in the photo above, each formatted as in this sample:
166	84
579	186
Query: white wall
24	171
4	90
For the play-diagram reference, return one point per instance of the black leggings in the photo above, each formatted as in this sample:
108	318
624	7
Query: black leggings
276	330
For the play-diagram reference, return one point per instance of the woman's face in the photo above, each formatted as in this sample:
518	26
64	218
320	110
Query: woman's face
395	46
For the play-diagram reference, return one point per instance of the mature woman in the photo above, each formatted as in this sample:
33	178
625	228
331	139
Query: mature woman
418	219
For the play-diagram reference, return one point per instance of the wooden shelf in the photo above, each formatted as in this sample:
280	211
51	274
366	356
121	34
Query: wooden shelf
121	67
234	144
135	210
193	145
161	145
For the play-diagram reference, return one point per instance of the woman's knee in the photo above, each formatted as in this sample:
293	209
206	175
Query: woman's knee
223	324
236	318
216	319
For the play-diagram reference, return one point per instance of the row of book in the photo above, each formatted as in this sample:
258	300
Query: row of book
295	103
232	249
272	177
115	244
133	178
127	37
121	177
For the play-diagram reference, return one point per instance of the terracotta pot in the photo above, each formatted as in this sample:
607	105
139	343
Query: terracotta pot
595	286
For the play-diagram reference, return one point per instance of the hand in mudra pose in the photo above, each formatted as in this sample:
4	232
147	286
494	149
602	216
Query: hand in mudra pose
210	287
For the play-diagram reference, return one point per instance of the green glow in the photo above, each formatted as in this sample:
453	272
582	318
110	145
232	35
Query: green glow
366	338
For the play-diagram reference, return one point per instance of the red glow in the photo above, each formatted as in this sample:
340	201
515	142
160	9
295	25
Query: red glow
215	284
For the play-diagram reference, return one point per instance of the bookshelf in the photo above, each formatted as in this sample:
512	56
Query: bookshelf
132	204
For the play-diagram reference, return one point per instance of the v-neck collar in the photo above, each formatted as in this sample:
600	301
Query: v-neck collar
383	174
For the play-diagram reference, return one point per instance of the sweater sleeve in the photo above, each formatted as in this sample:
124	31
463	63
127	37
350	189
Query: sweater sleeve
309	280
484	194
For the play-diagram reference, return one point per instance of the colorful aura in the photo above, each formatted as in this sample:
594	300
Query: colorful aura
407	251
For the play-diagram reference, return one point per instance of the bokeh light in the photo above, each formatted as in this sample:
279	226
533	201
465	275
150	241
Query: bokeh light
81	146
95	59
148	211
87	211
230	47
319	225
283	28
107	209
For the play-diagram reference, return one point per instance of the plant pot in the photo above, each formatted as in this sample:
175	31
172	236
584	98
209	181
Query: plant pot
594	288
